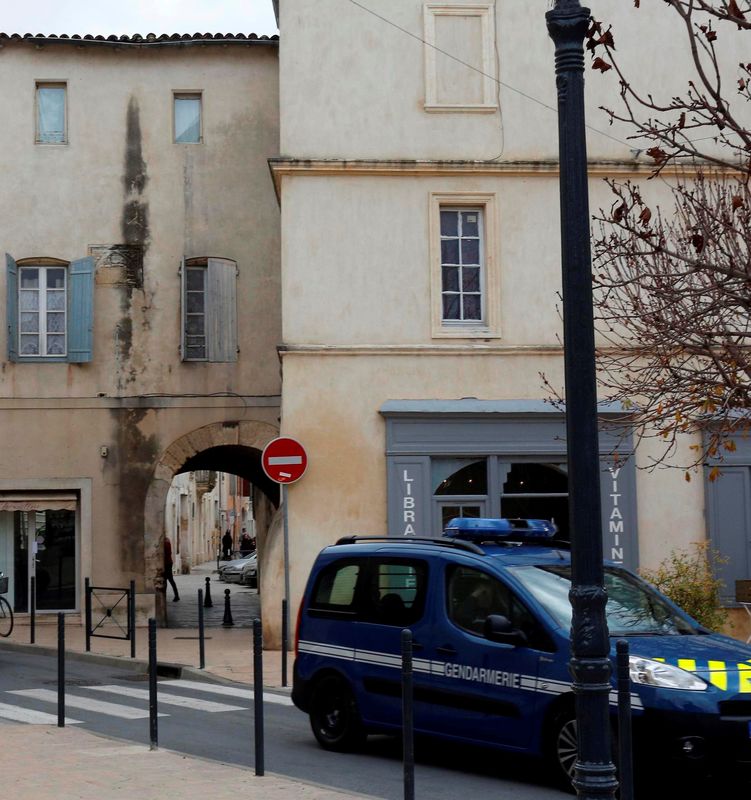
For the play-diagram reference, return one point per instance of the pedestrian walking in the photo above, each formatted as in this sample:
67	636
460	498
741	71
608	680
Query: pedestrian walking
168	577
246	544
227	545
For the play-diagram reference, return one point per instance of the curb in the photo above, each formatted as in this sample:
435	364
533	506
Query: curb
168	669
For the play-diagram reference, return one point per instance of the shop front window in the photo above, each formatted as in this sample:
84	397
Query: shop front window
536	491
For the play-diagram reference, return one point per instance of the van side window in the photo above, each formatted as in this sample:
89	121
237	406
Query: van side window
397	591
473	595
336	586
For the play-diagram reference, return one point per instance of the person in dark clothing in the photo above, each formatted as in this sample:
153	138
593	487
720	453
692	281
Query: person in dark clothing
227	545
246	544
168	578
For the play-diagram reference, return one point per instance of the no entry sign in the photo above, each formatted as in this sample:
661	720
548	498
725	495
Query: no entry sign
284	460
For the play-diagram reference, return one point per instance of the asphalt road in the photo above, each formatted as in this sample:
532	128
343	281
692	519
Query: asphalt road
28	683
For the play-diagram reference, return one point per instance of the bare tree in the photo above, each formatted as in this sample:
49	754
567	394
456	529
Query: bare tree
673	284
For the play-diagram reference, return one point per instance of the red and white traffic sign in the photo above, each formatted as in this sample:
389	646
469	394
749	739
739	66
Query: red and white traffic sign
284	460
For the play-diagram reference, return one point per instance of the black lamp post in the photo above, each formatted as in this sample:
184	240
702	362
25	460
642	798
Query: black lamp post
590	644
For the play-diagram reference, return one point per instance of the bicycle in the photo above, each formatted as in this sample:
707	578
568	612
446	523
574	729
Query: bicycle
6	612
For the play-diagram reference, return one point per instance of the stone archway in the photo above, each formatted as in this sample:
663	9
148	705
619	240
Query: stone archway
255	435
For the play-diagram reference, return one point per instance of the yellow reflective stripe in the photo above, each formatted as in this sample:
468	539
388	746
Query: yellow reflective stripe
718	674
744	679
658	659
689	664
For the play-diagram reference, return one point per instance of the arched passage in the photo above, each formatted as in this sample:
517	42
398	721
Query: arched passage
227	446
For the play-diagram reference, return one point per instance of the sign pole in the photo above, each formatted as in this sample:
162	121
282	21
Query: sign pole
285	516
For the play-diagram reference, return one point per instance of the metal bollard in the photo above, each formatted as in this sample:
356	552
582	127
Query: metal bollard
285	641
132	618
227	622
408	719
87	600
60	670
153	726
625	742
201	643
258	693
207	597
32	629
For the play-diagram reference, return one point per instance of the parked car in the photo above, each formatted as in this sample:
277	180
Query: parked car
488	607
249	573
230	571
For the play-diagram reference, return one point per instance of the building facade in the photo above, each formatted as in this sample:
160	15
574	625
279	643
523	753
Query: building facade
141	286
419	187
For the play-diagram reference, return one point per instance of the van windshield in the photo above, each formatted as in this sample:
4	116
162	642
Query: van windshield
633	607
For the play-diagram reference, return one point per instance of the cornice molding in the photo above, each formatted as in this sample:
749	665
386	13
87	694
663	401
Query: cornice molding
472	349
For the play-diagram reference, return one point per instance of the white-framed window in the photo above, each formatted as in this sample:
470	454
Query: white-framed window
51	112
42	307
187	117
460	58
209	310
50	309
464	279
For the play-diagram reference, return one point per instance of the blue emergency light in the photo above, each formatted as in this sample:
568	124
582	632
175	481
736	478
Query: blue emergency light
480	529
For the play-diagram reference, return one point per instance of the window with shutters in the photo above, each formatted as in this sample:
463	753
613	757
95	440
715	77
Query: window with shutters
50	309
464	274
209	310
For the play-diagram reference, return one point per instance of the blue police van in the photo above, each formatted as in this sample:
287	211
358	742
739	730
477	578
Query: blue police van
489	611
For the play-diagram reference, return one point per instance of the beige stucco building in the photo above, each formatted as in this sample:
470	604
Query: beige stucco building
142	295
418	182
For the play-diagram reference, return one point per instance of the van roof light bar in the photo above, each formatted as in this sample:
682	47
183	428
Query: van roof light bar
500	530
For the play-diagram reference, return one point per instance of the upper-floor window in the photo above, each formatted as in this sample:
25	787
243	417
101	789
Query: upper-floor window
51	123
50	307
187	117
465	283
42	305
209	309
461	264
460	57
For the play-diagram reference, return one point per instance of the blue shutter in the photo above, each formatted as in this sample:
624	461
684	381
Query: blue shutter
81	310
728	507
11	288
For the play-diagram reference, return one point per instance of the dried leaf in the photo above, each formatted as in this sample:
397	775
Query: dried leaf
620	212
645	216
697	240
730	446
687	477
734	11
737	202
658	154
714	474
601	64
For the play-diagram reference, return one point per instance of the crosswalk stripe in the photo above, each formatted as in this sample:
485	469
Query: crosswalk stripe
168	699
85	703
31	717
229	691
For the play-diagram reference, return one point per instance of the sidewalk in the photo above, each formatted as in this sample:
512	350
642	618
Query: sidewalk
71	764
229	651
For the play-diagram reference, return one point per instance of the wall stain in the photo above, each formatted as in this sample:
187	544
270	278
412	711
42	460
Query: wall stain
135	231
133	461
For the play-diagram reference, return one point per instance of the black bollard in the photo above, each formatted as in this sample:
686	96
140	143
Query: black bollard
32	629
285	642
201	644
625	742
227	621
132	618
408	736
258	692
60	670
87	601
207	597
153	727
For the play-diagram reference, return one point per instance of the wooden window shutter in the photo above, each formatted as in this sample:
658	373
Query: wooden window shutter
11	285
221	310
81	310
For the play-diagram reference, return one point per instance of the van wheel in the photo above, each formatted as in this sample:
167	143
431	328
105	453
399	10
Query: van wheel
334	717
563	748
